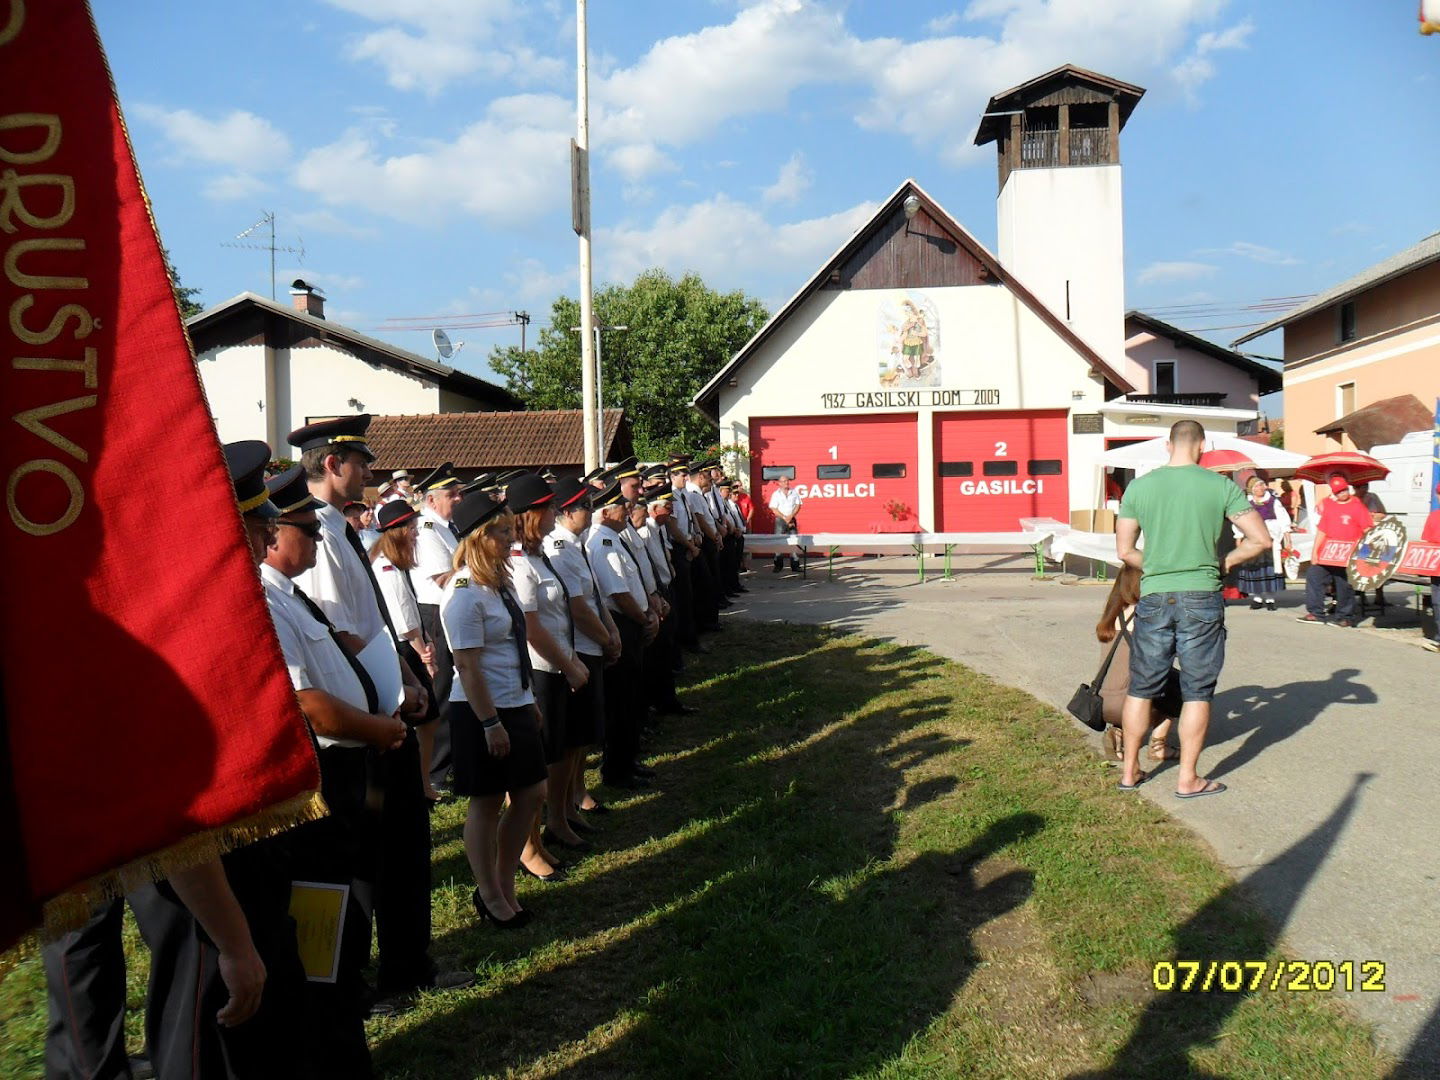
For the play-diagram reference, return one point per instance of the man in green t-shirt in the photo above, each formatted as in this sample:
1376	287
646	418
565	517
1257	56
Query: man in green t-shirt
1181	509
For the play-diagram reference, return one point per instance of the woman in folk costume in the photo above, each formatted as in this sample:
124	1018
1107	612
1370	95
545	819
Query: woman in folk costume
1264	575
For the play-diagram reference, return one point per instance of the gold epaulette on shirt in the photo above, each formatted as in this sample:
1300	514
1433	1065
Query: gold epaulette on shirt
427	524
462	582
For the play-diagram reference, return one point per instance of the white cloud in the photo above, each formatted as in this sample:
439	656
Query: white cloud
726	242
638	160
931	89
239	139
332	283
430	46
943	24
1254	252
1198	67
233	187
794	180
507	168
1175	271
326	221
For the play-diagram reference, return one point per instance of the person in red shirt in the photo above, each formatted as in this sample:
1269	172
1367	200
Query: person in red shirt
1342	517
1431	534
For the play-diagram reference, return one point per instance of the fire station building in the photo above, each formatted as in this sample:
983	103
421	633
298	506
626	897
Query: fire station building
918	382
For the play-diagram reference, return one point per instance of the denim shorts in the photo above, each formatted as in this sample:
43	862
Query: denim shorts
1184	626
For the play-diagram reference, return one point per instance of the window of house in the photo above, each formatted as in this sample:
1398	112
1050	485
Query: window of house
1344	399
1164	377
1001	468
1347	322
957	468
887	470
1046	467
777	472
832	472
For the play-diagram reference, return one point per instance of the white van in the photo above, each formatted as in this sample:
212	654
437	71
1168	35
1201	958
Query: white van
1406	491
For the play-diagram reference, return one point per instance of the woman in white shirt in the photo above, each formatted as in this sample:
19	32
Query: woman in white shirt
392	557
558	669
494	723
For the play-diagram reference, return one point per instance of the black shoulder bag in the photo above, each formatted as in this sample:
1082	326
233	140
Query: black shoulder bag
1086	704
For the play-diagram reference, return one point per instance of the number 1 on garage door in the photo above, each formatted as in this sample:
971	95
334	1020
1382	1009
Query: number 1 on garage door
834	453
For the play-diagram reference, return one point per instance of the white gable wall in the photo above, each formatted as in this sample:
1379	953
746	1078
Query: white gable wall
294	384
994	355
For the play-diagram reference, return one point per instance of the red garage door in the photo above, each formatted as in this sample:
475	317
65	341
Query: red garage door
992	469
849	468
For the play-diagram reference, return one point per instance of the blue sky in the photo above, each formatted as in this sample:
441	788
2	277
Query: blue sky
423	158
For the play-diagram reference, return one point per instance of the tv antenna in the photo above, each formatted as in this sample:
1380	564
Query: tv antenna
443	345
267	221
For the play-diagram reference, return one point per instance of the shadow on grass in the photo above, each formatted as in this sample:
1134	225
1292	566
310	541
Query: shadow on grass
1267	715
1176	1022
757	913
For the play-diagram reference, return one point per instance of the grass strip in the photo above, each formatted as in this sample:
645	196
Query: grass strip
860	860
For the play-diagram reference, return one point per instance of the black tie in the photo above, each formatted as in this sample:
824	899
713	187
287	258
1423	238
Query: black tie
569	615
453	530
517	623
354	538
371	696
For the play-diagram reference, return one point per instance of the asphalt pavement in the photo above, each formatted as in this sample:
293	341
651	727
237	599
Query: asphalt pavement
1326	738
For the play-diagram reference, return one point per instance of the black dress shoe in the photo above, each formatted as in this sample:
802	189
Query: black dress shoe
557	874
515	922
584	828
628	783
676	708
643	771
598	808
742	588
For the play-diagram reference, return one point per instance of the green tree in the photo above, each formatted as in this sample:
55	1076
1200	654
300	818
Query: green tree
184	294
1277	438
681	333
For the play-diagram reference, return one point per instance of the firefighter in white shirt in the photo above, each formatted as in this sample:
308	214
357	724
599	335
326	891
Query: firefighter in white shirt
435	544
623	589
785	505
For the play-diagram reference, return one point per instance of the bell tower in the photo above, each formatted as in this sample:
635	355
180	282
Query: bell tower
1061	221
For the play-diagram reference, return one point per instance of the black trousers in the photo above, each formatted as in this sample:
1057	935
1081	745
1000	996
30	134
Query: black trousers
660	657
683	591
402	885
730	563
624	702
706	588
440	757
85	985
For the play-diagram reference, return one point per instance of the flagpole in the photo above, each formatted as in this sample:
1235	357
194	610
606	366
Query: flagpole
580	207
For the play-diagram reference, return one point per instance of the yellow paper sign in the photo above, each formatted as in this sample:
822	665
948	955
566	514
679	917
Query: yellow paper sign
318	909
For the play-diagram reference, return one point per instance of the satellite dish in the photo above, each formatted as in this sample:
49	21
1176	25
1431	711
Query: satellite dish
444	346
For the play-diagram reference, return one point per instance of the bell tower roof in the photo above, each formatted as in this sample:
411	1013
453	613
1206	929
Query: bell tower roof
1066	85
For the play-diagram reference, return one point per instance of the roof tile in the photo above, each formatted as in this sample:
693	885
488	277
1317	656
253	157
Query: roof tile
491	440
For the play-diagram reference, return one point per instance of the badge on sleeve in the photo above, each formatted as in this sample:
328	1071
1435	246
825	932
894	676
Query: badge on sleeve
462	582
558	544
427	524
606	543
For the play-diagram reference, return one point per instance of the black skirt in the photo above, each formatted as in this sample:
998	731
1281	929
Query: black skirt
477	772
552	694
585	722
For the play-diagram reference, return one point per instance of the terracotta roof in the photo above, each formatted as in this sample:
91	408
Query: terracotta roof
708	397
1381	422
492	440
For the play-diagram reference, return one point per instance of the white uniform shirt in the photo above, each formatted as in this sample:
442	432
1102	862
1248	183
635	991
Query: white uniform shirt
435	548
615	571
538	590
785	502
636	544
339	583
567	555
682	513
732	512
699	506
399	601
653	534
369	537
312	657
716	504
475	617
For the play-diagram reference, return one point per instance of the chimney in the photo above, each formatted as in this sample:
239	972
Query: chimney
307	298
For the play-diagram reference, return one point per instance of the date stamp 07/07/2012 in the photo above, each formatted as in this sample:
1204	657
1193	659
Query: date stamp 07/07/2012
1248	976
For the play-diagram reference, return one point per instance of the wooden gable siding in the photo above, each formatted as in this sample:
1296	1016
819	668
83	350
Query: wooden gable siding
1071	95
923	257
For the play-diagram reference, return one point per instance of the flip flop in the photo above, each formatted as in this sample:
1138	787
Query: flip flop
1212	787
1131	787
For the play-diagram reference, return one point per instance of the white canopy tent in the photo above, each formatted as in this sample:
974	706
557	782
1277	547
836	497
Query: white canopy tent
1151	454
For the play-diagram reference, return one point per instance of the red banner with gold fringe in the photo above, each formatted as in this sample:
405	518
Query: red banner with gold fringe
148	720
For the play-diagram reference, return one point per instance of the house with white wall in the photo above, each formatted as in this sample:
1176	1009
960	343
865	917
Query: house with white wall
268	368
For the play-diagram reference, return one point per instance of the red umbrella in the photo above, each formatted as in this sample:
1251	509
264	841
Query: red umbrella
1225	461
1356	467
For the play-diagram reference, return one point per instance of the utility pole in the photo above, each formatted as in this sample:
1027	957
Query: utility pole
580	221
600	328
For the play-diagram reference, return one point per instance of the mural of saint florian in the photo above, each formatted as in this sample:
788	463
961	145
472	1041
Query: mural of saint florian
909	342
